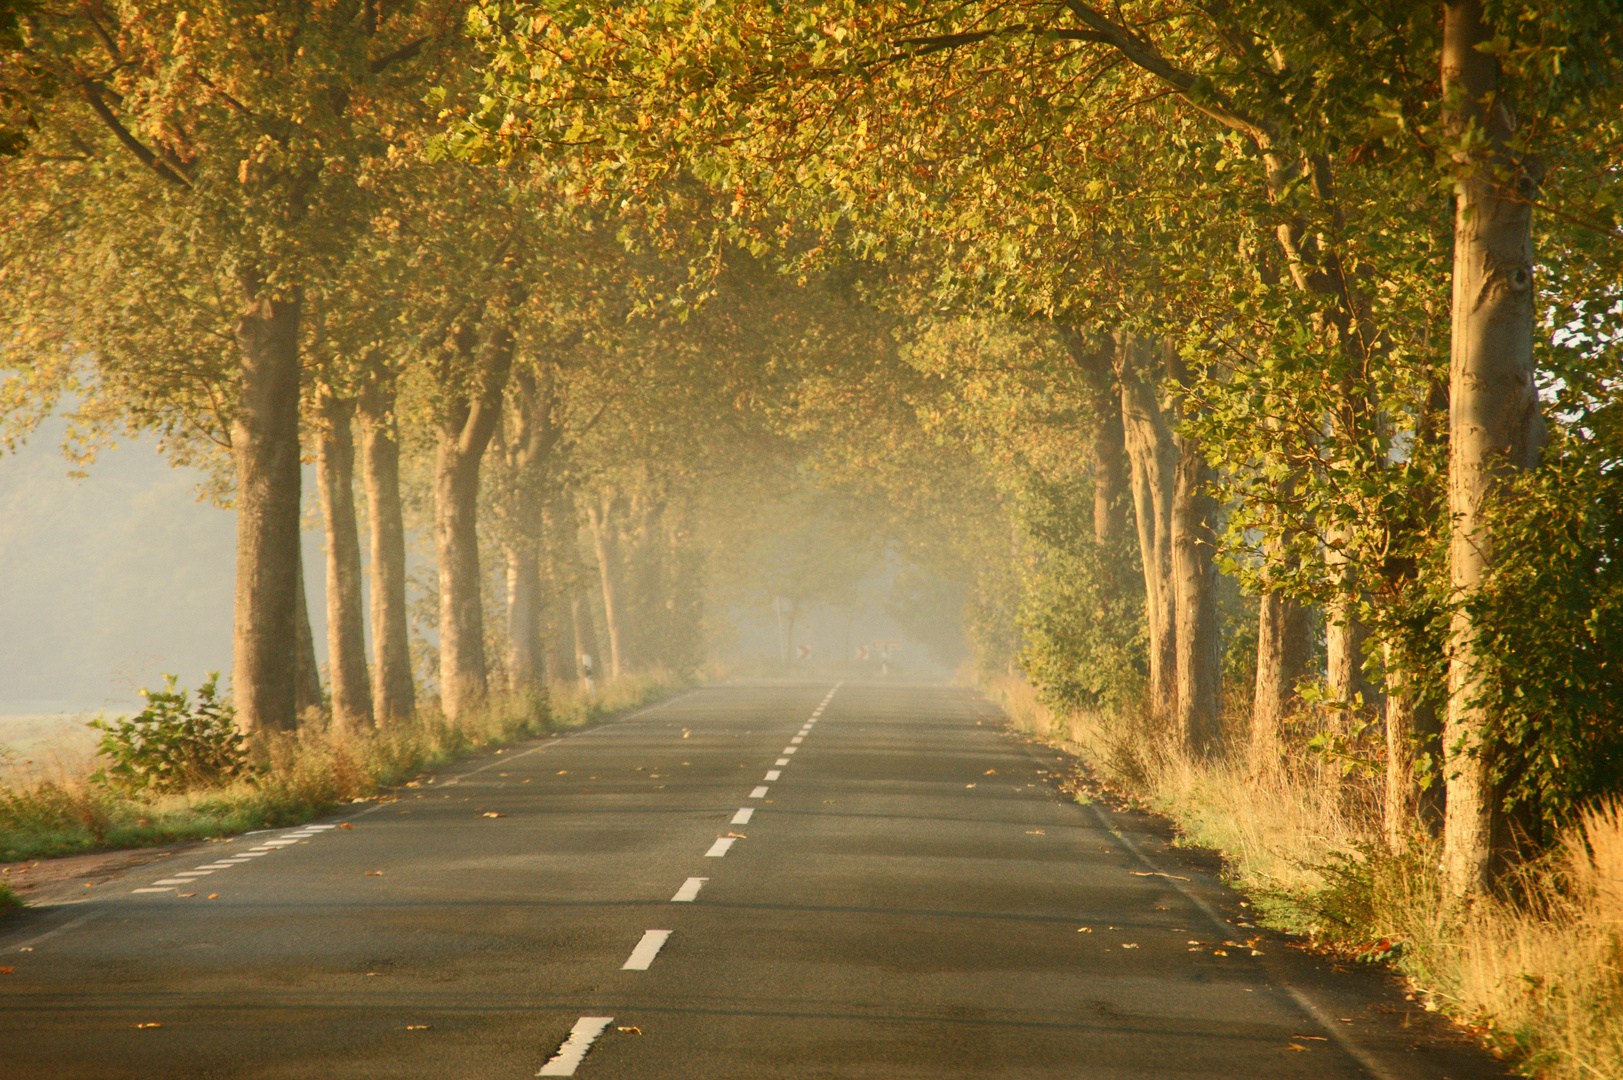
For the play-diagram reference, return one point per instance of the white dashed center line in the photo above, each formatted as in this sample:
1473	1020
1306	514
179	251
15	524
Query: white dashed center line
581	1038
758	793
719	848
797	739
782	761
790	749
173	881
773	774
648	948
743	816
689	891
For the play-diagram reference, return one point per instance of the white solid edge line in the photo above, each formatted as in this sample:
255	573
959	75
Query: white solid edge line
719	848
743	815
648	948
758	793
1337	1034
689	891
581	1038
772	774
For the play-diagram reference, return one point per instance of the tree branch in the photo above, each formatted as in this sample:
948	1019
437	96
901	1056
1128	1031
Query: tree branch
93	98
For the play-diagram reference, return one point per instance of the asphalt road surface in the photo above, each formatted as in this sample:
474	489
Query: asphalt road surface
798	881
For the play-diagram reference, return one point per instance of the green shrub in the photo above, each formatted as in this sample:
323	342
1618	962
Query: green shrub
173	745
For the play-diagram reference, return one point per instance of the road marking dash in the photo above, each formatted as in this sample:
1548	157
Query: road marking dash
782	761
719	848
772	774
581	1037
171	889
758	793
797	739
743	816
173	881
648	948
689	891
790	749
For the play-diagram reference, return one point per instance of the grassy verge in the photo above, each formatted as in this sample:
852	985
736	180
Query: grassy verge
1536	974
8	899
308	773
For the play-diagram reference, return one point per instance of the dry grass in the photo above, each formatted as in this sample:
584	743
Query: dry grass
305	774
1538	972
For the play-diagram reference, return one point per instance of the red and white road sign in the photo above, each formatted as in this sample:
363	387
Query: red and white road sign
805	651
862	652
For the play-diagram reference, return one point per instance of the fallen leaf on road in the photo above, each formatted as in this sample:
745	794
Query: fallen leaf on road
492	813
634	1030
418	1027
563	772
1313	1038
214	896
1293	1046
7	971
1035	832
374	873
1219	952
148	1025
1129	945
346	825
1156	873
184	895
685	734
969	785
989	772
828	802
738	836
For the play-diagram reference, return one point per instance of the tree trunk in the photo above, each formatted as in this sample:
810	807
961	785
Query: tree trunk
526	661
1344	637
395	696
1494	423
1283	651
580	616
265	451
463	671
465	430
1109	448
1402	796
1151	457
346	626
307	672
1199	656
608	566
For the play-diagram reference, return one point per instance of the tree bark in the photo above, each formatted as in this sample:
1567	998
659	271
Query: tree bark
1494	425
580	616
465	430
1344	637
307	671
395	695
1151	457
1199	655
606	543
346	626
1283	651
1402	802
526	661
265	451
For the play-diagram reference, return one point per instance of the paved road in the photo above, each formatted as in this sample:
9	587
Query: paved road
749	881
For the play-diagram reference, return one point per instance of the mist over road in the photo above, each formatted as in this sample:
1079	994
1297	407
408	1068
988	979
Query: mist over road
748	881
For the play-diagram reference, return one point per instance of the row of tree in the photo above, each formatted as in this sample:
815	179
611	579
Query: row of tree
1099	314
1298	244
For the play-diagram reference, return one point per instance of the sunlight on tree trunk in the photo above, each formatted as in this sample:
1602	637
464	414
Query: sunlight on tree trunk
265	446
1494	424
